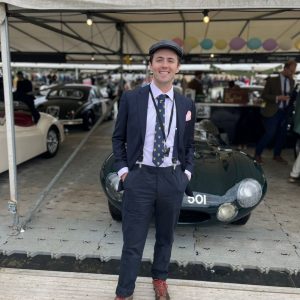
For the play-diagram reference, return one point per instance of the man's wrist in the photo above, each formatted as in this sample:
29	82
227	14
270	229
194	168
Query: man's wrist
122	171
188	174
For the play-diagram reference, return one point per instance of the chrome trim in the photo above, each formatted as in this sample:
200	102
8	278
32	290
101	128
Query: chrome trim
71	122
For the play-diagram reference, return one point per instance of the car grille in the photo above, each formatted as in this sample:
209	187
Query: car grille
193	216
53	111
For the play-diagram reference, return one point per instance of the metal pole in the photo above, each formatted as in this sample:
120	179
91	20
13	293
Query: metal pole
9	114
120	28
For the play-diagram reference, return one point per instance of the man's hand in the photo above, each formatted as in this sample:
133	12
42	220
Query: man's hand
123	177
283	98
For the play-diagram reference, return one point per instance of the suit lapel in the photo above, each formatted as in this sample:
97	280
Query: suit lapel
142	103
180	114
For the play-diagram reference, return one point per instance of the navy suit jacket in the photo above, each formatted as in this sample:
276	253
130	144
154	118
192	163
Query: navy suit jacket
129	134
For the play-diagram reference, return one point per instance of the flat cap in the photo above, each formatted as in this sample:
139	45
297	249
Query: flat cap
166	44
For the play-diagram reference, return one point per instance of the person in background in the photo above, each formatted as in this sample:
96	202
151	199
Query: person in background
295	173
24	94
232	85
276	95
196	84
153	145
1	89
184	84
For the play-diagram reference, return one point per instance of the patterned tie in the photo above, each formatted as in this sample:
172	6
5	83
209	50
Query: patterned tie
158	146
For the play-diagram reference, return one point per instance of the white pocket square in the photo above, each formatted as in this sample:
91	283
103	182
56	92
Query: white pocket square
188	116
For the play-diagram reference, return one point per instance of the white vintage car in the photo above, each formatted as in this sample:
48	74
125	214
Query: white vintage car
31	139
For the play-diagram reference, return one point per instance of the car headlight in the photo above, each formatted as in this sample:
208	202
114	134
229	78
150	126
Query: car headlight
227	212
249	193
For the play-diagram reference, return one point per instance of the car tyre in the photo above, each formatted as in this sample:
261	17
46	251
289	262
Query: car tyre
52	142
88	121
114	212
242	221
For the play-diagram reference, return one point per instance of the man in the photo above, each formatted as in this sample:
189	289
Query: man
295	173
153	144
24	93
276	95
196	84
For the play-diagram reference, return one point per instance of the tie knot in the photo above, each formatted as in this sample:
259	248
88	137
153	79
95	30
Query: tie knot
162	97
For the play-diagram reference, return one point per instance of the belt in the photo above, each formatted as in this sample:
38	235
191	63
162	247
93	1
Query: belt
155	169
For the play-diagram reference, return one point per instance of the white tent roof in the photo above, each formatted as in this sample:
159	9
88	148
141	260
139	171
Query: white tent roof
59	27
151	4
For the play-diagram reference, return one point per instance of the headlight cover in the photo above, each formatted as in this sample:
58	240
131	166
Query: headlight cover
227	212
249	192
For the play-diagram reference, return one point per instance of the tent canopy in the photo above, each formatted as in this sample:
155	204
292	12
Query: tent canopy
57	30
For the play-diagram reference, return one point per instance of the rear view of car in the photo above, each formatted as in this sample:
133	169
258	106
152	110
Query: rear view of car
73	104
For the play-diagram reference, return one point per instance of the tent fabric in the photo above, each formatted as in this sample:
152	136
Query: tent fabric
151	4
63	23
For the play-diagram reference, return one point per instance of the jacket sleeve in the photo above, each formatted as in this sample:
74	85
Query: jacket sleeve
119	137
189	139
268	93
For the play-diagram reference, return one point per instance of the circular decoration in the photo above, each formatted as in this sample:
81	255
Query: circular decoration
189	43
269	44
237	43
178	41
254	43
220	44
297	44
206	44
285	44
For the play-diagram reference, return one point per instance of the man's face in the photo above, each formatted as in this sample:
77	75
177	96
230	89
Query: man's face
164	66
290	71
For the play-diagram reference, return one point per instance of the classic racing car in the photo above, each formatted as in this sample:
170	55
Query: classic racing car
76	104
31	139
227	184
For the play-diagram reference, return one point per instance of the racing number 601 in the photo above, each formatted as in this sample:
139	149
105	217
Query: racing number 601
198	199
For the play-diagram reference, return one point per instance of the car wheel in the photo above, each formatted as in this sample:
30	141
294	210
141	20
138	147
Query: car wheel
88	121
241	221
52	142
114	212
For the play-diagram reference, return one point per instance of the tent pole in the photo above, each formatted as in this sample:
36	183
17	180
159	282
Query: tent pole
120	28
9	111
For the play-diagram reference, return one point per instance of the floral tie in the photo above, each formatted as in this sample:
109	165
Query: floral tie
158	147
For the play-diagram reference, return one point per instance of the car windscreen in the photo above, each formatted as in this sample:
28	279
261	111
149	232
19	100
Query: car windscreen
67	93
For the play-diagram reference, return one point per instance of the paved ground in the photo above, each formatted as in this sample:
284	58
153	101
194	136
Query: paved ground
74	219
41	285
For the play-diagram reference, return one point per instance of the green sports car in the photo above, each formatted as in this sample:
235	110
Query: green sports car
227	184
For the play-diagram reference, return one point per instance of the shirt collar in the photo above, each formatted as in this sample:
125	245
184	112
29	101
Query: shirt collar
156	91
283	77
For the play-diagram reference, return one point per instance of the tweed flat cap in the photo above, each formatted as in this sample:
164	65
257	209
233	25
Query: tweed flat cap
166	44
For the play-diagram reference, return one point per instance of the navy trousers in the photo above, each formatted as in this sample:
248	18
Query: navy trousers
149	191
274	126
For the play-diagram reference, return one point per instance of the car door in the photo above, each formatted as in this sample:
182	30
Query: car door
29	142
